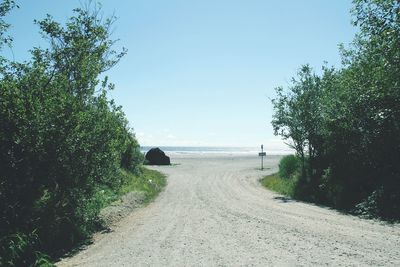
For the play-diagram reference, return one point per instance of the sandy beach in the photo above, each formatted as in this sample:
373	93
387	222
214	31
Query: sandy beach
214	212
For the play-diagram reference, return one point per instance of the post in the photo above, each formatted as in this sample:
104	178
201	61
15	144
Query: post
262	154
262	157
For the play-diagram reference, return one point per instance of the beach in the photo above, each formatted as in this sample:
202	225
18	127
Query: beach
214	212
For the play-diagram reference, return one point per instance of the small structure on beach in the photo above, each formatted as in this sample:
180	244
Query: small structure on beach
156	156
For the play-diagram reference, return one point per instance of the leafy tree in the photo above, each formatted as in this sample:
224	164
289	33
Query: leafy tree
297	114
60	137
345	124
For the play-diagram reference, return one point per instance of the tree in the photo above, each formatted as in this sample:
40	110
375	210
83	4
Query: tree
348	120
297	113
61	138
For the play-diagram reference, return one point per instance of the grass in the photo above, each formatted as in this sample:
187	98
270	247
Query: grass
278	184
149	182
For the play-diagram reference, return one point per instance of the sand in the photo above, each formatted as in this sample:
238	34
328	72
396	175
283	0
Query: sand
214	212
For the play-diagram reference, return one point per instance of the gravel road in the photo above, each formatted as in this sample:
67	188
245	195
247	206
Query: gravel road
214	212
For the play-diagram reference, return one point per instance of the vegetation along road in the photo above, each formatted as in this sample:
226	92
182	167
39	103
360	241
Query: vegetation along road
214	212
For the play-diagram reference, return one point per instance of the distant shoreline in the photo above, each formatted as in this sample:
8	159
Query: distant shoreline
182	150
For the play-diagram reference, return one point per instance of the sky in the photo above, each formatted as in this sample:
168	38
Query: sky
202	72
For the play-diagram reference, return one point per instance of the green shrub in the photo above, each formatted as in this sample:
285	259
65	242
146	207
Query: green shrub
132	157
346	121
18	249
61	138
288	166
381	203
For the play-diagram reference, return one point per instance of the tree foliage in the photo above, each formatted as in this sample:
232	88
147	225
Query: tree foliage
60	137
345	123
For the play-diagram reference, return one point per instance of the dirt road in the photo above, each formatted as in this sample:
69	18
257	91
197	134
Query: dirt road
214	212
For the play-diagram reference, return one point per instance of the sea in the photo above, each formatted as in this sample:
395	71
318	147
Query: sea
215	150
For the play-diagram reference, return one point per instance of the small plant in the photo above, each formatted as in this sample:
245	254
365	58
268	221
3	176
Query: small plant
19	249
288	166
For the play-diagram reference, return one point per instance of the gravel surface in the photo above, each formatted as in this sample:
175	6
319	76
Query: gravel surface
122	208
214	212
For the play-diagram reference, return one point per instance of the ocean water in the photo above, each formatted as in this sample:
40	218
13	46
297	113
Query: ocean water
215	150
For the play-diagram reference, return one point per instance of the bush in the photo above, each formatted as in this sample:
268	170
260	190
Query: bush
61	138
344	123
382	203
288	166
132	157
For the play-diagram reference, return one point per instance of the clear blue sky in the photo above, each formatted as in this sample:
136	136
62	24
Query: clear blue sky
201	72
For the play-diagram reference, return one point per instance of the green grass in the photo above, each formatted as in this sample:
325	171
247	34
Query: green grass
149	182
278	184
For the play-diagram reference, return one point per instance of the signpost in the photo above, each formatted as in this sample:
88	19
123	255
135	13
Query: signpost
262	154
